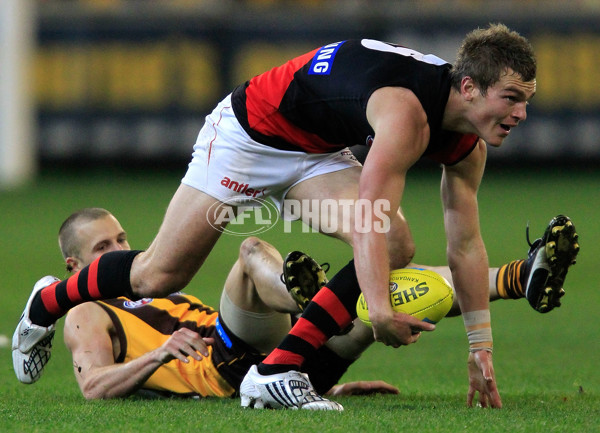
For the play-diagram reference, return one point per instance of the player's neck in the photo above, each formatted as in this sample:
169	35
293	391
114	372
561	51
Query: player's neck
455	118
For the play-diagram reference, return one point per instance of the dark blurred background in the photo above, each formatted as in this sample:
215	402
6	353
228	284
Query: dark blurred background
128	82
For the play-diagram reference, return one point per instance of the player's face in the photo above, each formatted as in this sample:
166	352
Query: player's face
502	108
98	237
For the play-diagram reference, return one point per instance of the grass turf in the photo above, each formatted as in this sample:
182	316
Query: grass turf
546	365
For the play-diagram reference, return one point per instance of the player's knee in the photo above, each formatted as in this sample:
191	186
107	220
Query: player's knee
401	246
401	256
250	246
149	281
159	287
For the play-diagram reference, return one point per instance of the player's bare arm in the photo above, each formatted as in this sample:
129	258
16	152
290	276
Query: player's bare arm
363	388
401	136
88	336
466	252
468	261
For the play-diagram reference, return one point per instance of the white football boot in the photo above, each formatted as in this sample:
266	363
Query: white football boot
291	390
31	343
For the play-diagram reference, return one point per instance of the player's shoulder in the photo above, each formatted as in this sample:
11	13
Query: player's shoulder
90	313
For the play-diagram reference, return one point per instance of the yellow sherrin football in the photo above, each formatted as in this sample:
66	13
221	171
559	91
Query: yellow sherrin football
422	293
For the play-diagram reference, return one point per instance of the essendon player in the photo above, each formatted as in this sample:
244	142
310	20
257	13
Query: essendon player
285	133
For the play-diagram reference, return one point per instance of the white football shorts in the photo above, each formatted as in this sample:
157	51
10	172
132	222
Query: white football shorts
229	165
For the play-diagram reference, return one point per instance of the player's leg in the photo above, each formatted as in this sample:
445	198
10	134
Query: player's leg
254	282
255	305
540	277
333	307
445	272
304	277
186	237
181	246
302	350
254	293
549	258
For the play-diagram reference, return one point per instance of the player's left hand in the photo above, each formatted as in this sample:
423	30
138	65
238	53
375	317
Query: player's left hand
482	380
363	387
184	343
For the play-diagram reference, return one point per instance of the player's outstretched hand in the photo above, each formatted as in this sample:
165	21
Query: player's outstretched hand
182	344
363	387
399	329
482	380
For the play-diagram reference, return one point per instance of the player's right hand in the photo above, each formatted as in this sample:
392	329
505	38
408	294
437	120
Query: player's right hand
184	343
398	329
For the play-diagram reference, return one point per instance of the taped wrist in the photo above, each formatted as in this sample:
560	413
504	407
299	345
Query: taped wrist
479	330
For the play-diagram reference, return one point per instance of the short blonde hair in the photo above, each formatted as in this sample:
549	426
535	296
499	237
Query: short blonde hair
68	241
485	54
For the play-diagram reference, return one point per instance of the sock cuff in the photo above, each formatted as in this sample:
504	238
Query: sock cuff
500	285
508	280
114	277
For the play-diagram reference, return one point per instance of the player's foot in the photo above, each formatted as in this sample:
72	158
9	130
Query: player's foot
291	390
549	259
303	277
31	344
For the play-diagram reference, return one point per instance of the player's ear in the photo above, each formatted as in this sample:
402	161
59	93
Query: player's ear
467	88
73	264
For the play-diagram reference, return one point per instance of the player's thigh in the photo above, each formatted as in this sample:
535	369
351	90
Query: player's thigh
401	246
326	202
185	239
339	191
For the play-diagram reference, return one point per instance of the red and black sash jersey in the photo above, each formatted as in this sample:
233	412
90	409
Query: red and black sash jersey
316	102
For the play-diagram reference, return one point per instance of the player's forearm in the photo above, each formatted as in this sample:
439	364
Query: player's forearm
472	282
470	277
119	380
372	270
362	388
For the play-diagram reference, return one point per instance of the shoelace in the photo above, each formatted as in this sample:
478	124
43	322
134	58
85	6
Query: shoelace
305	392
527	235
532	246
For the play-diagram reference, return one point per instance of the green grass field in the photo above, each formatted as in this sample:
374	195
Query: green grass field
547	366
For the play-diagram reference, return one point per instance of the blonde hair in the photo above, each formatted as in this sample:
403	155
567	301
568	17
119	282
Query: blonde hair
67	237
485	54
